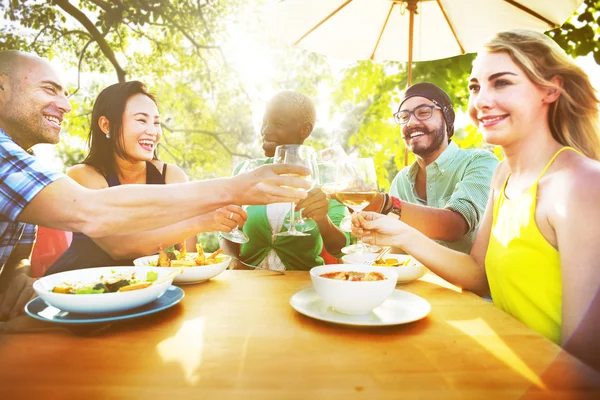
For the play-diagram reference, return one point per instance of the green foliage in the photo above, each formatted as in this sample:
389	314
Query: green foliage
580	34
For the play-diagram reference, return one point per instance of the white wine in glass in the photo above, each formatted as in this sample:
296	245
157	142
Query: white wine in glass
297	155
357	195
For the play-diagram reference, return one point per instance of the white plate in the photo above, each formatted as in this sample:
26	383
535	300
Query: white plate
102	302
190	274
406	273
401	308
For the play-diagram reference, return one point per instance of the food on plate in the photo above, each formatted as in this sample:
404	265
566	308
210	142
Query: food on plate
122	282
354	276
182	259
393	262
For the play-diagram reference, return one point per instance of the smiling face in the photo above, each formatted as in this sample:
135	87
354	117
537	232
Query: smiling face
141	128
281	126
424	138
504	104
33	102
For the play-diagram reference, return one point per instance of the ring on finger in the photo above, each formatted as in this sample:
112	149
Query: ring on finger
231	215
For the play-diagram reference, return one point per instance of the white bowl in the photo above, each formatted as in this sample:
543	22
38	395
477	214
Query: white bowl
406	273
190	275
349	297
103	302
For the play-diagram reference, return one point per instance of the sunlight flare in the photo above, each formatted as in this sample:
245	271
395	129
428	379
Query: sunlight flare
483	334
185	348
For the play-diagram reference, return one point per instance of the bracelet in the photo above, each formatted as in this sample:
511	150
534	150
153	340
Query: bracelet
396	207
384	204
387	206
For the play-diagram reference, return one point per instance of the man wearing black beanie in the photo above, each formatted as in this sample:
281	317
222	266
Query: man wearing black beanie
444	192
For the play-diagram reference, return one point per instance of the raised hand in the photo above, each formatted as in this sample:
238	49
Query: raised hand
378	229
18	292
223	219
272	184
315	205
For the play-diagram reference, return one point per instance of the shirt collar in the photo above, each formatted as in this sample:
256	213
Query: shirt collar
7	136
441	163
446	157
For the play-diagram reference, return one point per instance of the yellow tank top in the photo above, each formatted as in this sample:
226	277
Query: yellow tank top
523	269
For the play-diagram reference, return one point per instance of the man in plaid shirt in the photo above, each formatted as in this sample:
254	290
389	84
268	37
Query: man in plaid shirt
33	103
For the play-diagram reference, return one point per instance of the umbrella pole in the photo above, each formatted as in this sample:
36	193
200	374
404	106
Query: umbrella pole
411	6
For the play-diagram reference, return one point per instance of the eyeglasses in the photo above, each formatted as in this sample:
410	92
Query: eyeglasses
421	113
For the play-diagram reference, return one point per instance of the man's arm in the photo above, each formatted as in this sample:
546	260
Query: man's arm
66	205
16	276
18	262
435	223
147	242
464	209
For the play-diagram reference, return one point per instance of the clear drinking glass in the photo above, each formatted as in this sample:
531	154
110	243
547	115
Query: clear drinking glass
328	162
237	235
357	195
296	155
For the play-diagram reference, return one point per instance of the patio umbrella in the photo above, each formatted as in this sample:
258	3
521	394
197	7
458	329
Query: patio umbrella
408	30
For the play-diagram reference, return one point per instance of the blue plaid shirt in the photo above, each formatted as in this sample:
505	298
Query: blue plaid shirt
22	177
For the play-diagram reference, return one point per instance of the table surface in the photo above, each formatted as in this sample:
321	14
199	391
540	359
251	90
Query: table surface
236	336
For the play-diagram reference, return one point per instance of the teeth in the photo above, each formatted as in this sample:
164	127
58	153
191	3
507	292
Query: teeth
269	143
146	142
52	119
415	134
491	119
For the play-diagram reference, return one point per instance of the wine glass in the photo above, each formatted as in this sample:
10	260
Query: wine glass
334	175
357	195
297	155
327	162
236	235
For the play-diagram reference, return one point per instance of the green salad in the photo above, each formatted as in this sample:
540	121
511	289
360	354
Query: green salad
115	282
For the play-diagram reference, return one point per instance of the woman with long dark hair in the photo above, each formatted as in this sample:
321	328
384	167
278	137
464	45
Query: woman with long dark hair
124	134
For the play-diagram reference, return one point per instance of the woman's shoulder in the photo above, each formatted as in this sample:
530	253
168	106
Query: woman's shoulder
575	175
87	176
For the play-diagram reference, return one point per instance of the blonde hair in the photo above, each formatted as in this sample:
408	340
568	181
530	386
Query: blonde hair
573	117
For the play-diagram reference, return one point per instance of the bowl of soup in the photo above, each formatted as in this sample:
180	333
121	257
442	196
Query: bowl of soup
352	288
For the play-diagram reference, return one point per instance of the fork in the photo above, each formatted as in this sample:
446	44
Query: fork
254	267
379	257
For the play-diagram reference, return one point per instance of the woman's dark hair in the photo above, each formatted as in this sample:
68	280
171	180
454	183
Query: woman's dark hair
111	103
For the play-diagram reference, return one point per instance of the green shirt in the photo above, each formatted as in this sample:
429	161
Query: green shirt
295	252
458	180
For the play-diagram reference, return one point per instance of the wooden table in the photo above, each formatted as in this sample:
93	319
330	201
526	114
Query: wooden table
236	337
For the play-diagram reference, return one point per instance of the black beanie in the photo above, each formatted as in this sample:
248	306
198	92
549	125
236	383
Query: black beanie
438	97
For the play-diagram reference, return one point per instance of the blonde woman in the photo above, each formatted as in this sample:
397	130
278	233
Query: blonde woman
535	251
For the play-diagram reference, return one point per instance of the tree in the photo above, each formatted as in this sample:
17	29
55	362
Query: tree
172	46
